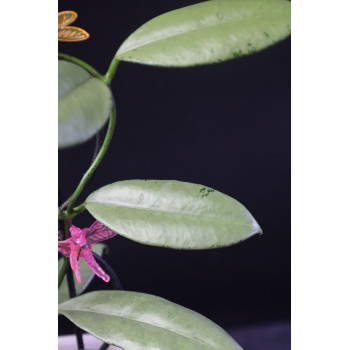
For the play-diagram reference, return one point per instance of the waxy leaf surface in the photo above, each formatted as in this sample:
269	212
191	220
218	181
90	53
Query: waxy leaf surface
86	276
84	104
136	321
172	214
208	32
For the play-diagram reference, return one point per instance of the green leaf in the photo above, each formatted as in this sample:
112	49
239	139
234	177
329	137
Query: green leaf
84	104
208	32
86	276
172	214
135	321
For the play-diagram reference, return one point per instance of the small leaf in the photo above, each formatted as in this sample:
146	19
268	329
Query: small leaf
86	276
135	321
172	214
208	32
84	104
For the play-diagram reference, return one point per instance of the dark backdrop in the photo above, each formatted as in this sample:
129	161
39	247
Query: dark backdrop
226	126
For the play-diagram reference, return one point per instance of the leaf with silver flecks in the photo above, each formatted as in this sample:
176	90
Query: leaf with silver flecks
208	32
135	321
172	214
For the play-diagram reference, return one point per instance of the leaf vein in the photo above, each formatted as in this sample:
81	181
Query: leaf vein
171	212
75	87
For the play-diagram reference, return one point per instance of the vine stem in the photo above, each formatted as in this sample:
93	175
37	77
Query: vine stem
63	271
71	211
82	64
64	268
108	77
73	294
81	207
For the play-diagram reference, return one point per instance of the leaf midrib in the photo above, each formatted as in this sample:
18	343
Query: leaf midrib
75	87
171	212
142	322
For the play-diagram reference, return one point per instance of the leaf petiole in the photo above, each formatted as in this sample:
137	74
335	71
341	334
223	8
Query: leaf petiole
107	78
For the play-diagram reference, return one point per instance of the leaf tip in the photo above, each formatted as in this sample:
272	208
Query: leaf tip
256	230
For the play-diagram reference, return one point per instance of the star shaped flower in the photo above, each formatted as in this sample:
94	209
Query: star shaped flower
79	246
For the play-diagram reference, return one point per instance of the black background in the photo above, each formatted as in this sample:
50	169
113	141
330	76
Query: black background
226	126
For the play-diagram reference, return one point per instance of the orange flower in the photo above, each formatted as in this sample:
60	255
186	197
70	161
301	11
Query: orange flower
68	33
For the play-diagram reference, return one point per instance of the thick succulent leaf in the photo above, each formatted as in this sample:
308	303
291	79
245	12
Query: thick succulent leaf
135	321
86	276
84	104
208	32
172	214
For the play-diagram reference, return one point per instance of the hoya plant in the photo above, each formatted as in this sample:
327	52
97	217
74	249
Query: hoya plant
164	213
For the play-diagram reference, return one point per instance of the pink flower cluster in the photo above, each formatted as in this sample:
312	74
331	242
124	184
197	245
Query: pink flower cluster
79	246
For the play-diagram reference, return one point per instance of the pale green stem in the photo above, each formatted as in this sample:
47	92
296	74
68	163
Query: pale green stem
63	271
64	268
82	64
107	78
70	212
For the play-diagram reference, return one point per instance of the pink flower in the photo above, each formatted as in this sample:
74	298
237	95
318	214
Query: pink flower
79	246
